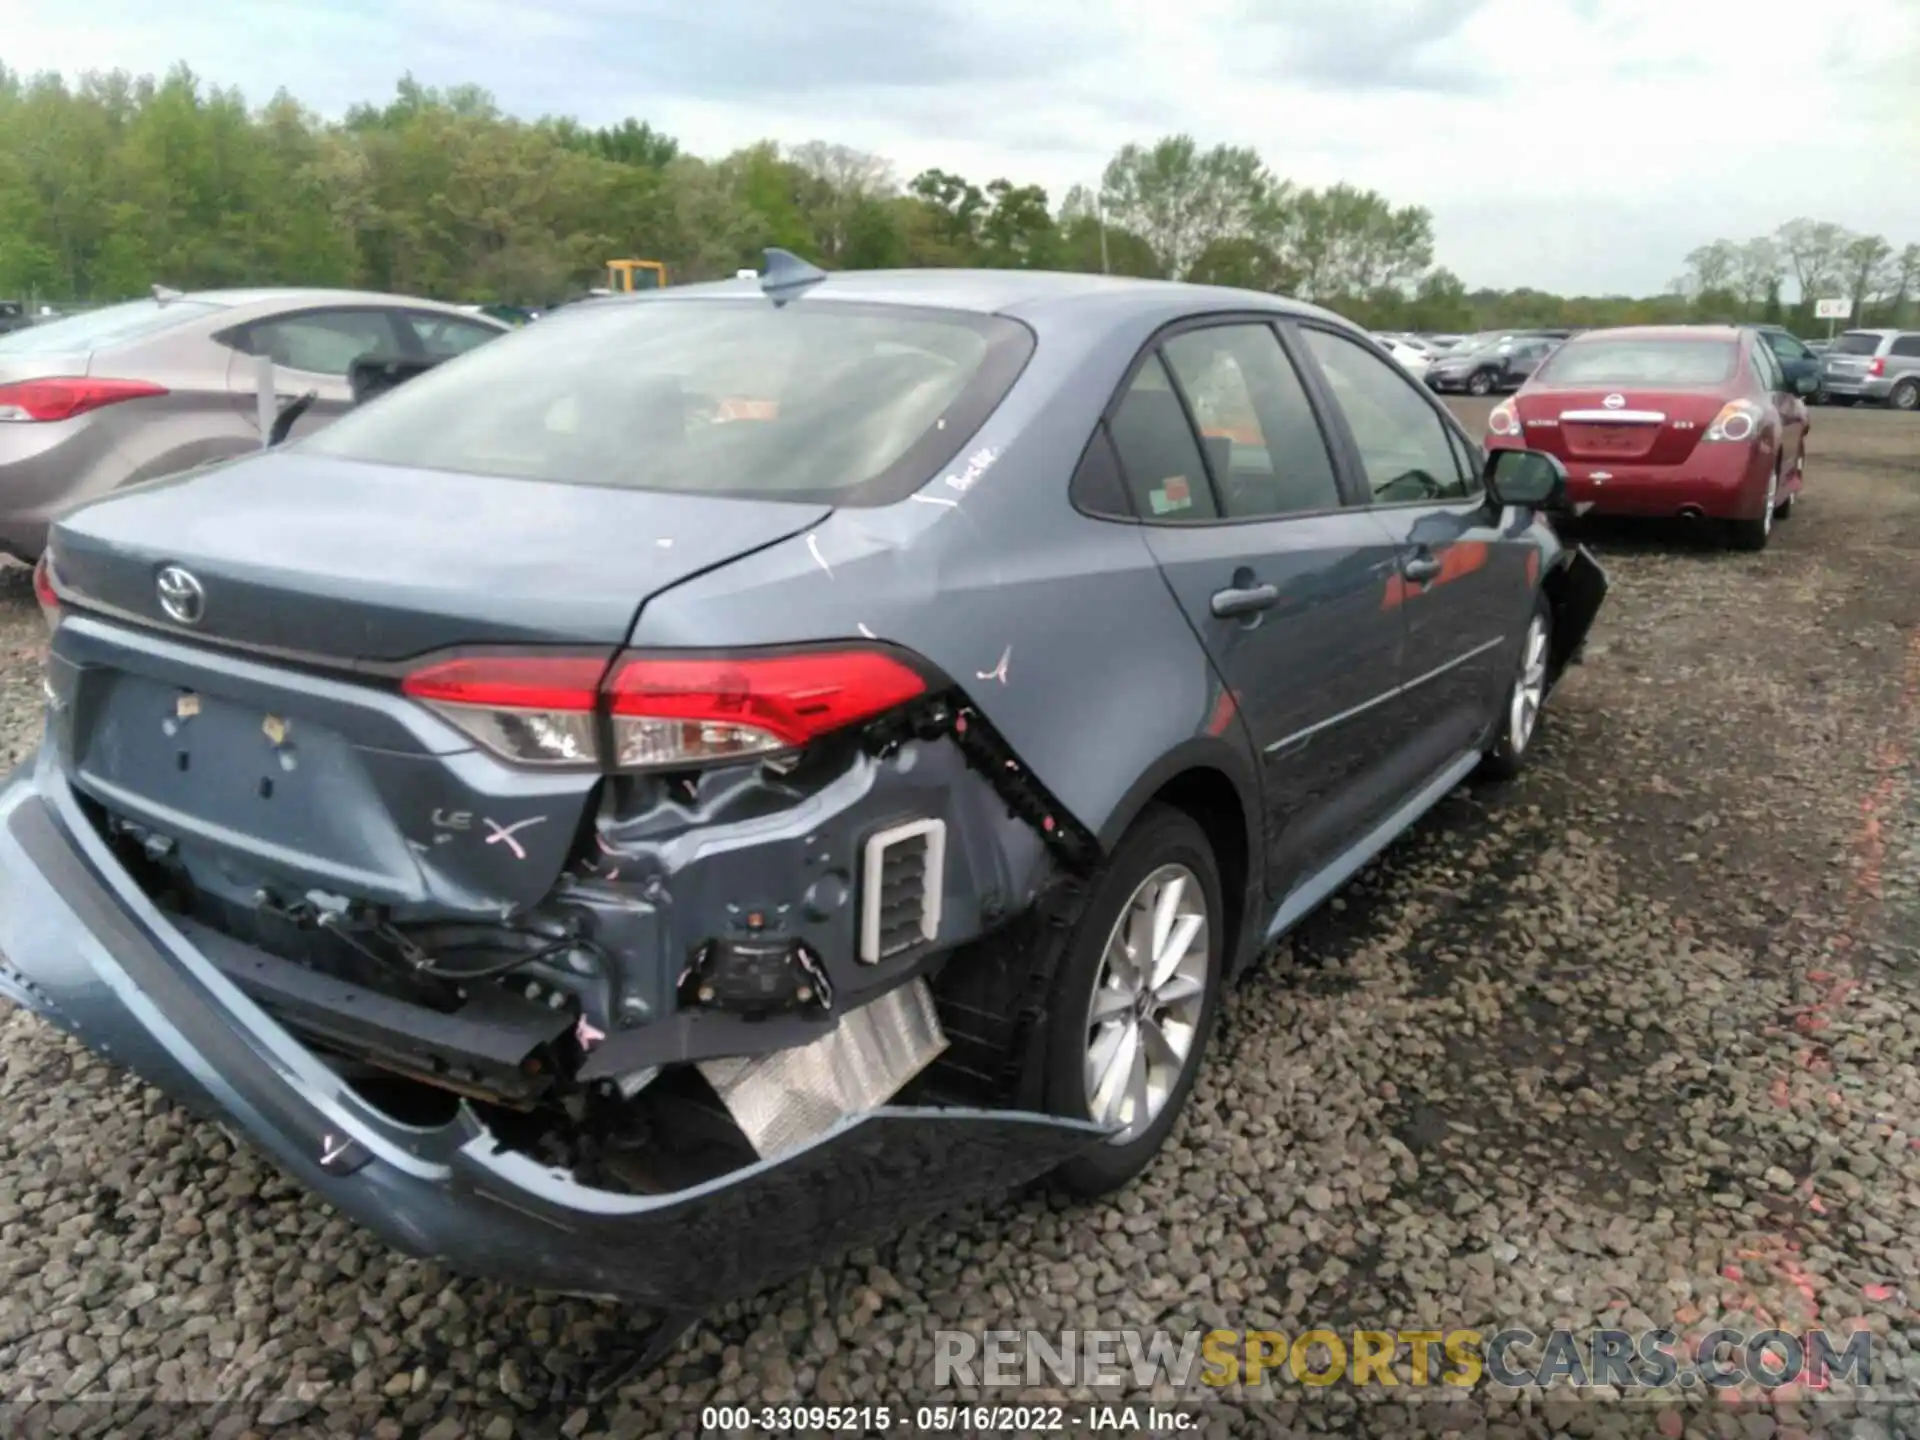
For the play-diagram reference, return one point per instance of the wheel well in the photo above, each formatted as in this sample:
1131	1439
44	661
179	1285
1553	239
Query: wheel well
1212	801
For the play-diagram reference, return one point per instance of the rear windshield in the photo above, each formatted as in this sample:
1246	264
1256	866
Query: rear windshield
1856	342
113	325
1640	362
839	403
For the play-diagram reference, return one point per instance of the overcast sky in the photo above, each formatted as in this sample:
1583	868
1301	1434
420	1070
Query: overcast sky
1572	145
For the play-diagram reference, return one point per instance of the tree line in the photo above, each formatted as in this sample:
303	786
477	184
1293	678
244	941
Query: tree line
1743	279
112	183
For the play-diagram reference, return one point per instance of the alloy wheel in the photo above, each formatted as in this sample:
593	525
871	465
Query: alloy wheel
1529	689
1149	997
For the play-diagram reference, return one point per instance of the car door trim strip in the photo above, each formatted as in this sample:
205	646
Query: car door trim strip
1365	705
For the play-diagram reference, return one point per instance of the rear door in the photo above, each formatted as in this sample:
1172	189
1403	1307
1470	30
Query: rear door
1234	481
311	351
1463	585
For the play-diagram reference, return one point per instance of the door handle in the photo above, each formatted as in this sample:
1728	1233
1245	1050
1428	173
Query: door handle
1249	600
1421	568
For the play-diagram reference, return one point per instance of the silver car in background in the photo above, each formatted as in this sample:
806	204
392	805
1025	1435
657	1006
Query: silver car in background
114	396
1879	366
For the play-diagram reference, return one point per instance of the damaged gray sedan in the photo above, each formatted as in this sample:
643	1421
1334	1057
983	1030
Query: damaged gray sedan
715	776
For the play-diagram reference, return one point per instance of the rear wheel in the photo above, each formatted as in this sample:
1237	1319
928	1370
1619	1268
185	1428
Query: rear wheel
1480	383
1905	396
1754	534
1135	999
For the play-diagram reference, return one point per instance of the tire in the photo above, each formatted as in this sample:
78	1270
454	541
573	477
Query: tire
1164	846
1480	383
1526	698
1754	534
1905	396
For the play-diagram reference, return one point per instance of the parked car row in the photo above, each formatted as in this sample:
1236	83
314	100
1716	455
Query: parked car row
805	746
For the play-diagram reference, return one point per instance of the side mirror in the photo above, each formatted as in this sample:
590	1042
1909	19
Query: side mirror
1529	478
1804	384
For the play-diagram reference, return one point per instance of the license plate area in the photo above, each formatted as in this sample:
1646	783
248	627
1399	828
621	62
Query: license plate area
291	795
1611	439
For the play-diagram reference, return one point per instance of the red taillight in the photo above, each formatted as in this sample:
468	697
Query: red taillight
44	592
671	711
1878	366
664	710
64	397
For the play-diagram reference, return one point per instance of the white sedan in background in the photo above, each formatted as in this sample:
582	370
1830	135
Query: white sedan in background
1413	358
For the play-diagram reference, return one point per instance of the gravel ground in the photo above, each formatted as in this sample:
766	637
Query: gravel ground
1627	1041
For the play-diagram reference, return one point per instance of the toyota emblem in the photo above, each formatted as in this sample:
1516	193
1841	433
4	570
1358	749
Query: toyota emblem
181	595
1614	402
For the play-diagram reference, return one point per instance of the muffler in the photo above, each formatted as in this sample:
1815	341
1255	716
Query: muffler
785	1099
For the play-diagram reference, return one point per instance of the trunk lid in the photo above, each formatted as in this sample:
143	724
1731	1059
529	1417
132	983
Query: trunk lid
1588	425
277	778
352	564
35	366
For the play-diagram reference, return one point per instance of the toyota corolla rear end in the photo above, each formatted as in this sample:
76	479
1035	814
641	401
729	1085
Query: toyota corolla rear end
1648	423
364	821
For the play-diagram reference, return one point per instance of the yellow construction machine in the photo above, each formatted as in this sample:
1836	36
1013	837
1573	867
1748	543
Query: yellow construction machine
626	276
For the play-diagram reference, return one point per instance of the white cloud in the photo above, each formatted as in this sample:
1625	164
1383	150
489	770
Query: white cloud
1573	145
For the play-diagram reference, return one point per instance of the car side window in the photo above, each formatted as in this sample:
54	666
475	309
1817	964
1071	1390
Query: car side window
1405	447
1905	345
442	336
322	342
1768	368
1165	474
1267	454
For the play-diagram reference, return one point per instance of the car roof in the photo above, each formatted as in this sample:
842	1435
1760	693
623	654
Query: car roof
304	295
1024	294
1729	333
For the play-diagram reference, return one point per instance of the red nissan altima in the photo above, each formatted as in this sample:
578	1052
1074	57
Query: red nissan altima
1697	421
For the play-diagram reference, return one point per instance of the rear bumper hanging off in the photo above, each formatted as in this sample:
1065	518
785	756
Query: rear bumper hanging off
83	947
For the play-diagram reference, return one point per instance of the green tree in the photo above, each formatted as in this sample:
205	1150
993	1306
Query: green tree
1180	199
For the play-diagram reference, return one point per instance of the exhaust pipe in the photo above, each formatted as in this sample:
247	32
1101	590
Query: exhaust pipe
1692	512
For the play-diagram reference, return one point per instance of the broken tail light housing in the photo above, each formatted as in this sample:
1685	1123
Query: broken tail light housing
44	592
65	396
661	712
532	709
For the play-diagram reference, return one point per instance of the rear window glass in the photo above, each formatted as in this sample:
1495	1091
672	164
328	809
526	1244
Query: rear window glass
840	403
1856	342
1640	362
113	325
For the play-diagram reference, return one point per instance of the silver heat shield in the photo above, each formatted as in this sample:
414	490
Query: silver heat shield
787	1098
